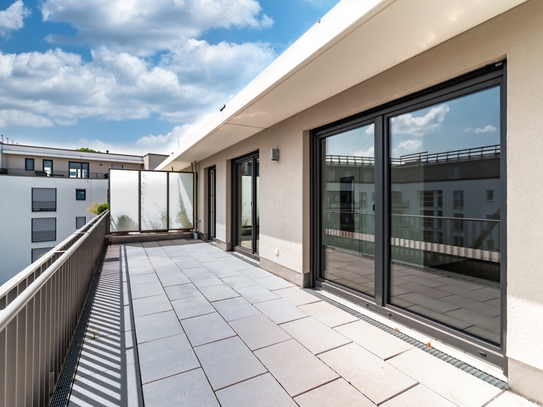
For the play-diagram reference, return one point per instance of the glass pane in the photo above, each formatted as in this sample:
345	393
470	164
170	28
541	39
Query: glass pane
348	210
154	200
244	204
181	200
445	232
124	200
257	220
48	167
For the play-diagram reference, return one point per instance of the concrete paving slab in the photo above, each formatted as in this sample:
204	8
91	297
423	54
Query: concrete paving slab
280	311
273	282
338	393
328	314
259	331
192	306
155	326
314	335
235	308
151	305
296	296
420	396
256	293
206	328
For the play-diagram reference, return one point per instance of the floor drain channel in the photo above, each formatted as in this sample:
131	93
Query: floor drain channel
500	384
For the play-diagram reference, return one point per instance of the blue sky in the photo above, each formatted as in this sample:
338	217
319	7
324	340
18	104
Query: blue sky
134	76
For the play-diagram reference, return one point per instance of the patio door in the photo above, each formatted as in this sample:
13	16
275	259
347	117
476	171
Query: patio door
245	206
212	218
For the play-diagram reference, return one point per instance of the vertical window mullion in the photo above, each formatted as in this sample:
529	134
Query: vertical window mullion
380	210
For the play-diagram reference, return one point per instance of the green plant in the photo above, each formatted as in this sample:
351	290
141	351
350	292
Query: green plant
86	149
97	208
123	223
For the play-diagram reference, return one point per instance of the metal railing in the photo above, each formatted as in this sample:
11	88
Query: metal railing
55	174
39	311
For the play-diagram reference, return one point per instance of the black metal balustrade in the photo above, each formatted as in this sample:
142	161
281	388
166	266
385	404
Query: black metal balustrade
39	312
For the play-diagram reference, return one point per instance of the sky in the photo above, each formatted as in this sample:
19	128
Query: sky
134	76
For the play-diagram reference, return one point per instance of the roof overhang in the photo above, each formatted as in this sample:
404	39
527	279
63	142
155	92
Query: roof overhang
355	41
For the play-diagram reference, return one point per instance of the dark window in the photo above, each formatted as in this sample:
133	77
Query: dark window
37	253
44	199
48	167
80	194
458	199
44	229
490	195
79	170
80	221
117	166
458	224
29	164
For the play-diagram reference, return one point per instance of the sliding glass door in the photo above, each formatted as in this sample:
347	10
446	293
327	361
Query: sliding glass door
408	207
246	218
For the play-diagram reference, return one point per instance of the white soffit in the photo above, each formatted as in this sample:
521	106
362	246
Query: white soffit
355	41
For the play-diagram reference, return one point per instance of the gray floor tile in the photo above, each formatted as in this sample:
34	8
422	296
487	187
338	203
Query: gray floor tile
173	278
294	367
508	399
235	308
261	391
455	385
144	279
370	375
328	314
280	311
146	290
254	272
419	396
196	391
155	326
314	335
206	328
218	292
259	331
176	292
225	272
375	340
192	306
151	305
296	296
165	357
238	281
273	282
205	280
227	362
338	393
256	293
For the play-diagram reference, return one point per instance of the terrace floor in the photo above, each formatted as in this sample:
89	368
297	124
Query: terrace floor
182	323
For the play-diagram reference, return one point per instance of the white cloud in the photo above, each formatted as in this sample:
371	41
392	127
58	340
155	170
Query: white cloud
487	129
12	18
370	152
10	117
410	145
64	88
370	129
144	27
420	125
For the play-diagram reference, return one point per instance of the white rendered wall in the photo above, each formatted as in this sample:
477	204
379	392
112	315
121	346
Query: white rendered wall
16	215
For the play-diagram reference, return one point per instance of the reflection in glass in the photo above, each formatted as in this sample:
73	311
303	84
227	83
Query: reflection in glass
180	198
124	200
153	200
445	232
348	195
245	204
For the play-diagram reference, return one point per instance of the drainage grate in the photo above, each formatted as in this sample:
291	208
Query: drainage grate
111	259
500	384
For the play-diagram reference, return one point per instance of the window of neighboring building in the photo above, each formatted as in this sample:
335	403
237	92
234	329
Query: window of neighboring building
117	166
29	164
37	253
80	221
44	199
454	172
80	194
458	199
48	167
79	170
458	224
490	195
44	229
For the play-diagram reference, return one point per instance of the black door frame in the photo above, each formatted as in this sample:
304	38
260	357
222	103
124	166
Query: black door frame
212	203
491	75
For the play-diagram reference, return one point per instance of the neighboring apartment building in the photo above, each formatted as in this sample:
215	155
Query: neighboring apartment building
392	156
45	194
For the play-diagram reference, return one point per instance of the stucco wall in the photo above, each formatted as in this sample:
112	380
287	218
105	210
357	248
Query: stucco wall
16	215
515	36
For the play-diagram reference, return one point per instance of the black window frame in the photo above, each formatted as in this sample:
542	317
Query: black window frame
34	209
79	171
33	240
487	77
29	164
77	191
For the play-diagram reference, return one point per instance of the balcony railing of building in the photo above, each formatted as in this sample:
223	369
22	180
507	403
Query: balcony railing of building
55	174
420	158
39	311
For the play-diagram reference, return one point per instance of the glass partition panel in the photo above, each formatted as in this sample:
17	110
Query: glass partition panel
445	199
124	200
244	205
154	215
348	209
181	200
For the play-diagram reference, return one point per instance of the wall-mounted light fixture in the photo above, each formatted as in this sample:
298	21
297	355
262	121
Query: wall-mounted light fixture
274	154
